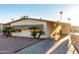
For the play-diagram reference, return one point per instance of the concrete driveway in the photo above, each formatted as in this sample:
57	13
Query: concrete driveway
39	48
13	44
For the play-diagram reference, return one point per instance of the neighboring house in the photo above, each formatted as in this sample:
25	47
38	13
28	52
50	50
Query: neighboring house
1	28
47	26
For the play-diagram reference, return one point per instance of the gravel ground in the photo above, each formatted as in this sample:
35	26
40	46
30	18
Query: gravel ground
75	41
9	45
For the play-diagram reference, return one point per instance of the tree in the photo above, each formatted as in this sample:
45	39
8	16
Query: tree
40	33
7	31
34	31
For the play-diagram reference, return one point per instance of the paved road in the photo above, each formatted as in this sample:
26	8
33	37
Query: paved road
12	44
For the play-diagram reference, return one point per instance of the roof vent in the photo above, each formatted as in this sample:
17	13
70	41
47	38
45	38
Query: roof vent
26	16
22	17
12	19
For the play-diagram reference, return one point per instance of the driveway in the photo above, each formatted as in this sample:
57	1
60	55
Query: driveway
39	48
14	44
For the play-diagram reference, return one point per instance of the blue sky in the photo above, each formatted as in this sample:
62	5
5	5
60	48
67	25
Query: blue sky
46	11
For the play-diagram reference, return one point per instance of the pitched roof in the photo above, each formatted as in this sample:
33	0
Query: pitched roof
46	20
30	19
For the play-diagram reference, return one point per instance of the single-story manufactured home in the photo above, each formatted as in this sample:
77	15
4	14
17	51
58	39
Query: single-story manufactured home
47	26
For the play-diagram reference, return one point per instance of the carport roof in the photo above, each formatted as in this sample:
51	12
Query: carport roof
27	26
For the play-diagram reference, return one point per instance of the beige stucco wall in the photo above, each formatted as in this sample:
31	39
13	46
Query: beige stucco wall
23	33
51	27
1	26
65	27
27	33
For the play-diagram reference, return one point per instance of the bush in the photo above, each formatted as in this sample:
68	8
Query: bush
35	30
7	31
